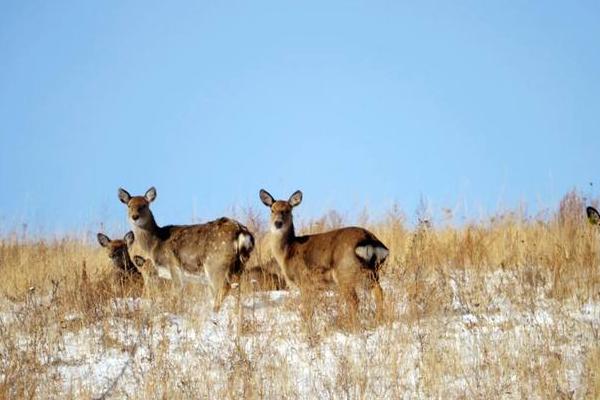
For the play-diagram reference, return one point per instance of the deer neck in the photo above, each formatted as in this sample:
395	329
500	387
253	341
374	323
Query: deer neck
147	235
282	243
283	249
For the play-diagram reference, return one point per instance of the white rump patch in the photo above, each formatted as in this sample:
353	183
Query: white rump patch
364	252
381	253
245	241
368	251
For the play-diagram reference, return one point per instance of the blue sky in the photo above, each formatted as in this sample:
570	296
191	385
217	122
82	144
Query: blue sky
472	105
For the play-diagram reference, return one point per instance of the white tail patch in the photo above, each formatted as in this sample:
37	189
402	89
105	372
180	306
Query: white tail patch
367	252
381	253
364	252
245	242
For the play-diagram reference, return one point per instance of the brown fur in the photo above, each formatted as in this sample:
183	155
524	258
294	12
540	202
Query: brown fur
317	260
117	250
213	247
152	281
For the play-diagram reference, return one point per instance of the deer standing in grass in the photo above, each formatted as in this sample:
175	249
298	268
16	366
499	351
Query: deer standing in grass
346	256
220	248
118	252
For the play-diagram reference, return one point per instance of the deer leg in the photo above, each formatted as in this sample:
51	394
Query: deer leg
219	284
220	295
176	277
351	298
378	296
345	282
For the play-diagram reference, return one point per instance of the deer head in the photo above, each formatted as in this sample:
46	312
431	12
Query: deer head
118	250
281	210
138	207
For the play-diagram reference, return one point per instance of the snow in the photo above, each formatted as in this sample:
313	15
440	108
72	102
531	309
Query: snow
117	358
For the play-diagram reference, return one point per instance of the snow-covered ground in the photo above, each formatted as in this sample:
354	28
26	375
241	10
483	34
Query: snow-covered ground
262	348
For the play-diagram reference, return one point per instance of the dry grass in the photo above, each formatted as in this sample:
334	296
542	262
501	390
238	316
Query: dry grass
503	308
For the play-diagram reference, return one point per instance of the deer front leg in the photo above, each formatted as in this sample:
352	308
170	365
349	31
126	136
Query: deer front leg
176	276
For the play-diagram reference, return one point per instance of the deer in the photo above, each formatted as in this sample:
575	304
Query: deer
118	252
343	256
220	248
593	215
152	280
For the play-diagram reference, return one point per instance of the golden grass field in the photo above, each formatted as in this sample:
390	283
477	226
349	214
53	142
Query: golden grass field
507	307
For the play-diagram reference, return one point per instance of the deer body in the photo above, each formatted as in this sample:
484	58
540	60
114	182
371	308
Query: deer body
320	258
345	256
218	248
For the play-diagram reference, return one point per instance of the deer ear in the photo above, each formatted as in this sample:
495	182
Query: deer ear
593	215
129	238
295	199
150	194
103	239
266	198
124	196
139	261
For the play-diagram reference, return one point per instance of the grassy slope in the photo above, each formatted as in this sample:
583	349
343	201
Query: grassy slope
503	308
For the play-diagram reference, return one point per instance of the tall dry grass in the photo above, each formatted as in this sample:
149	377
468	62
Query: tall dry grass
434	273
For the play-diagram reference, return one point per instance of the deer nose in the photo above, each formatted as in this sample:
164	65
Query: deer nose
278	224
135	217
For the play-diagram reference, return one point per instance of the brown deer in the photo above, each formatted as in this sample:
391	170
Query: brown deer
220	248
118	252
152	281
346	256
593	215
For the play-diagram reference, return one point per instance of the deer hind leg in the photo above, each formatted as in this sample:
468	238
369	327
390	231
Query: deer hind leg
377	293
349	294
219	284
352	299
346	281
220	295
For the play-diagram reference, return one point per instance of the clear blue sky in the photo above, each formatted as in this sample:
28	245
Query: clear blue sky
483	104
